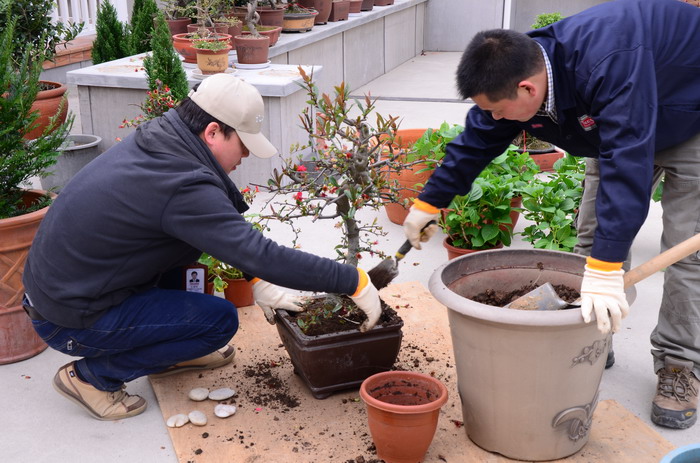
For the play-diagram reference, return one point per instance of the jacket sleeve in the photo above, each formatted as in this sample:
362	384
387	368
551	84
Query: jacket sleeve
201	215
482	140
623	95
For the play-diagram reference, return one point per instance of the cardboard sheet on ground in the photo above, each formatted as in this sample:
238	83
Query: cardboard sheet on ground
278	420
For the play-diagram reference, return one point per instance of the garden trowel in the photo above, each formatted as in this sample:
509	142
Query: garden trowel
545	298
388	269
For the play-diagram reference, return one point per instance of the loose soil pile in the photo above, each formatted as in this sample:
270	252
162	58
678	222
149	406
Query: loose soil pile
501	299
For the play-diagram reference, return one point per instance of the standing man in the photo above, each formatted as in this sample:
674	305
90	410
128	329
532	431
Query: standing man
96	273
619	82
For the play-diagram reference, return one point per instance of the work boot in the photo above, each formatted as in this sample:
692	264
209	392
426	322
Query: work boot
103	405
216	359
676	401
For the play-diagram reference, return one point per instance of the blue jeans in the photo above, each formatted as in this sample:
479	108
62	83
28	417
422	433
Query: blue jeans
145	334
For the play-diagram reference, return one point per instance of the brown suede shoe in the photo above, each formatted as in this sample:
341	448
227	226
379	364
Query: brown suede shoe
216	359
103	405
676	402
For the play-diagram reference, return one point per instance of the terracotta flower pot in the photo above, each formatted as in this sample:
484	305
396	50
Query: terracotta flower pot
271	16
18	340
454	252
239	292
217	28
270	31
322	6
48	103
367	5
212	61
403	408
356	6
528	380
252	50
340	11
546	161
183	45
383	2
407	178
177	26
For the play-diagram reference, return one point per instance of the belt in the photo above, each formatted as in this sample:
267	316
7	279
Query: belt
31	311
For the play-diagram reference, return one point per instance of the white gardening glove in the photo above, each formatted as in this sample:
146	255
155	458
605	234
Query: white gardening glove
603	291
367	299
418	217
270	297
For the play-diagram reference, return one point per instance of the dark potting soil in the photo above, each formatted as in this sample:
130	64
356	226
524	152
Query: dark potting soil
321	319
501	298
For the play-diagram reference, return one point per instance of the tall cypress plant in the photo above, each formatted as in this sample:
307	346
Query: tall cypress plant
112	39
142	28
165	64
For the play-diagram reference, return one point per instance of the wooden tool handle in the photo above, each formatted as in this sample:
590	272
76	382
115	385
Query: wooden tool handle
663	260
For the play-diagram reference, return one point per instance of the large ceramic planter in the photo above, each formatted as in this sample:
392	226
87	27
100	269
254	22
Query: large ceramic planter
338	361
183	44
18	340
212	61
322	6
687	454
340	11
269	31
299	22
403	408
407	179
77	152
48	103
528	380
252	50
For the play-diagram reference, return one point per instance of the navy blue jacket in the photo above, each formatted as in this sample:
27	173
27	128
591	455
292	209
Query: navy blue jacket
149	204
633	66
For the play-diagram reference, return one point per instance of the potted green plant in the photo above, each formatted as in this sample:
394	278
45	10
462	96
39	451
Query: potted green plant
21	210
212	56
177	15
205	12
298	19
224	278
551	202
347	178
423	151
34	26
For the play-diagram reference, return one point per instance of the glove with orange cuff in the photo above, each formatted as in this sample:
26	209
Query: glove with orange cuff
603	291
270	297
418	216
367	299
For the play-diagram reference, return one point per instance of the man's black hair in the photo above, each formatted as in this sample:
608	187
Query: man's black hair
495	61
197	119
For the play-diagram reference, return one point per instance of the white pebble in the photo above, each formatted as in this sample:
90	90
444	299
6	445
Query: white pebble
199	394
177	421
198	418
222	394
224	410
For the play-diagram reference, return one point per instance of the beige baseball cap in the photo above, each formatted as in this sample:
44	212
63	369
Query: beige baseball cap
239	105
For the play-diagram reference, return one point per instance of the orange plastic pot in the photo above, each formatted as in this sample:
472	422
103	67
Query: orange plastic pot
239	292
403	408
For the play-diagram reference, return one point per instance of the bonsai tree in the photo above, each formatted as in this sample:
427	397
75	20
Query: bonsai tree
33	25
349	162
252	18
175	9
22	159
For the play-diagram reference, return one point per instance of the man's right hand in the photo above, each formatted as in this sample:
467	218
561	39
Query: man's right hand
418	216
366	297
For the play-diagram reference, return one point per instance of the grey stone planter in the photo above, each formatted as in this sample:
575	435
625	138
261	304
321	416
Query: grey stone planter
79	151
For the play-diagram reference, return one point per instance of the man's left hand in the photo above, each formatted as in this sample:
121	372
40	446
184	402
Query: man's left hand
603	291
270	297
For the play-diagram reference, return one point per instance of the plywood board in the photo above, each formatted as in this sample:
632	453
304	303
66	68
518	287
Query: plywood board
335	429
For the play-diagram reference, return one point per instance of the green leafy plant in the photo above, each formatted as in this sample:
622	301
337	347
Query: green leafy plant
112	37
219	272
551	203
350	161
142	25
545	19
158	102
213	45
331	307
33	25
430	148
22	159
